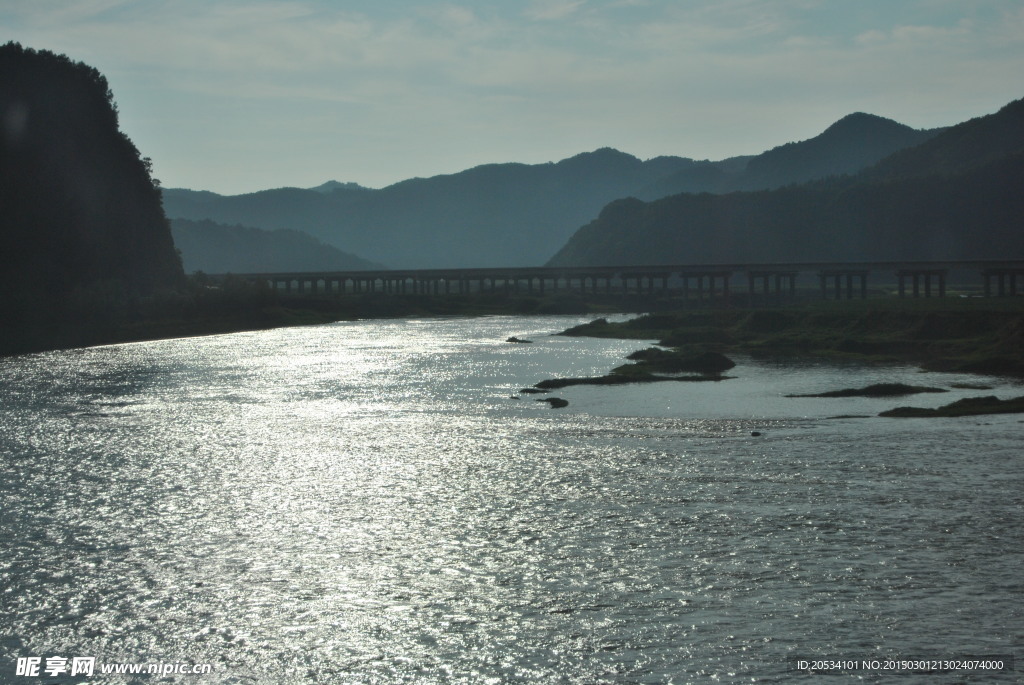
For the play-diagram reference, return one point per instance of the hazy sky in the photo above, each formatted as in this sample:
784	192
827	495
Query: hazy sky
240	95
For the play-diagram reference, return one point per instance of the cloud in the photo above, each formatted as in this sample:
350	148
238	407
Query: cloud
550	10
502	81
914	35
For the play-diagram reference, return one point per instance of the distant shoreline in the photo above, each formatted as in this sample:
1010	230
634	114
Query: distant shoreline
58	332
973	335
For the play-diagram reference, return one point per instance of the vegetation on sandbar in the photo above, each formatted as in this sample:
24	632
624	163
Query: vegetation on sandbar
973	336
969	335
651	365
969	406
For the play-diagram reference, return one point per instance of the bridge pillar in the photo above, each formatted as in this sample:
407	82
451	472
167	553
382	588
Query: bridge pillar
1005	279
921	277
776	278
837	279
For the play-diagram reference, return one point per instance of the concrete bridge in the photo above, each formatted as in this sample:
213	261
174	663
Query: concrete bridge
838	280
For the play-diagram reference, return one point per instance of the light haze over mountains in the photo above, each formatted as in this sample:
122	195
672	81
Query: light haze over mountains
517	214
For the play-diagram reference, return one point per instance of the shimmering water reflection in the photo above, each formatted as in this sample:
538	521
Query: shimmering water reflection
366	502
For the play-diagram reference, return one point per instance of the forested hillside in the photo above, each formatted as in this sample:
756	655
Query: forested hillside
80	215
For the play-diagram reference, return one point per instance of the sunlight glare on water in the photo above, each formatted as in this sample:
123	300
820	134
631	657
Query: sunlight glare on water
375	502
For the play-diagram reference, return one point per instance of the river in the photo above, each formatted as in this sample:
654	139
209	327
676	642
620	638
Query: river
374	502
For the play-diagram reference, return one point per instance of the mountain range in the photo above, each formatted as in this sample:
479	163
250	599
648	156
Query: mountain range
956	195
520	214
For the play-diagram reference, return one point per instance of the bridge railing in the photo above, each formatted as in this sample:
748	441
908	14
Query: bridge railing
839	280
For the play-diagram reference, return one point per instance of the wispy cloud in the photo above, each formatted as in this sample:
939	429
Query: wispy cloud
454	81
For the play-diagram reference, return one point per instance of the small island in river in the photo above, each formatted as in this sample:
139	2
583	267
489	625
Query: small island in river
962	336
650	366
875	390
965	335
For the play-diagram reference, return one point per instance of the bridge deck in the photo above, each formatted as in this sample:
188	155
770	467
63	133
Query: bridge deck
836	279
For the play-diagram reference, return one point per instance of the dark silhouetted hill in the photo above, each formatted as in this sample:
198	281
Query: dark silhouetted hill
216	249
80	214
955	196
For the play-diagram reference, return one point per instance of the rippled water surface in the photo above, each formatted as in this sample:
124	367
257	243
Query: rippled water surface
374	502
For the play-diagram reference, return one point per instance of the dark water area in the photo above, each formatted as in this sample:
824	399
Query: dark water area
374	502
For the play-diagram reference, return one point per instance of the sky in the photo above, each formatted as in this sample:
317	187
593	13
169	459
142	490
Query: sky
236	96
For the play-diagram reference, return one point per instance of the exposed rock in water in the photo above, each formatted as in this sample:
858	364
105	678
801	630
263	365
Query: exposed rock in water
532	391
876	390
514	339
969	406
555	402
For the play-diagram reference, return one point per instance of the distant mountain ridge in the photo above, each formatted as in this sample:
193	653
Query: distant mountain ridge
968	145
331	186
957	195
851	144
491	215
215	249
519	214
